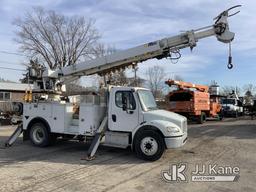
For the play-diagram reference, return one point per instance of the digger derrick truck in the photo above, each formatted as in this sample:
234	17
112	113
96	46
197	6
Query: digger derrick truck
193	101
126	116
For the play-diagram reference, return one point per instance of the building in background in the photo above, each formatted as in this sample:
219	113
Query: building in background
12	92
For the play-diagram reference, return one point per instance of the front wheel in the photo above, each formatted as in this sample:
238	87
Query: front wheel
220	117
149	145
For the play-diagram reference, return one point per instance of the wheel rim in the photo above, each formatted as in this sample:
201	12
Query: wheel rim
38	135
149	146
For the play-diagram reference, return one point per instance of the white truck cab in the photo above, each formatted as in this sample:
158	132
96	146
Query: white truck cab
232	107
133	120
133	108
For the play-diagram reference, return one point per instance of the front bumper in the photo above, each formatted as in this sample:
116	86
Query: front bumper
175	142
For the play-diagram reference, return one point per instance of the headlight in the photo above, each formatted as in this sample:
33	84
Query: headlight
173	129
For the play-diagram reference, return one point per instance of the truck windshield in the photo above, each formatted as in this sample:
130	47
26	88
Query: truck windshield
147	100
229	101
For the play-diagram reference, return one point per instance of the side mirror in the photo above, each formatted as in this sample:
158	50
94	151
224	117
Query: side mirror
124	103
124	107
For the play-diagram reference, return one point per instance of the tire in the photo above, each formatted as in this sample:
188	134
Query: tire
220	117
201	118
39	135
149	145
236	114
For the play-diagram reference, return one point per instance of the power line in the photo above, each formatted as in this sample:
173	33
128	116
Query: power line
12	63
12	53
8	68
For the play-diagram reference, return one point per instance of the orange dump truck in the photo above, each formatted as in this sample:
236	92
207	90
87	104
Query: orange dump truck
193	101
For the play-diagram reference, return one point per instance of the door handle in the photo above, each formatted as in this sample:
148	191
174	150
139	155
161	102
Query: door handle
130	112
114	118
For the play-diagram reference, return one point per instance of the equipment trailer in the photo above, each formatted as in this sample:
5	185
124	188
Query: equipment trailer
129	116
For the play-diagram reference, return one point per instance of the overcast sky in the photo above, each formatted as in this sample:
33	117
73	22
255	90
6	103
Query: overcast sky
128	23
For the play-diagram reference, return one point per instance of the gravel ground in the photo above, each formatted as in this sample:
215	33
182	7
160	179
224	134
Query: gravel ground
24	167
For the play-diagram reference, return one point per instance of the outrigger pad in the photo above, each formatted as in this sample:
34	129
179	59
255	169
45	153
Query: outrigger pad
93	147
88	158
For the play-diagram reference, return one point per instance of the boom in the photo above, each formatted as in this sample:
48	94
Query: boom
182	85
159	49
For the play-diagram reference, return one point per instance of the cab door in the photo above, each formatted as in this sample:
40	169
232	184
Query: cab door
124	111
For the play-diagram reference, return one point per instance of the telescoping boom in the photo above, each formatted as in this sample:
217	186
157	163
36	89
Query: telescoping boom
157	49
182	85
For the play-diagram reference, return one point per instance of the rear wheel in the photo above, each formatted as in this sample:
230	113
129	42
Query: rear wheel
40	136
149	145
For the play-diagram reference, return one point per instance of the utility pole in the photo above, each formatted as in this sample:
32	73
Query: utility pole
135	68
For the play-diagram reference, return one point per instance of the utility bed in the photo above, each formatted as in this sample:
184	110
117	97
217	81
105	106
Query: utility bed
68	118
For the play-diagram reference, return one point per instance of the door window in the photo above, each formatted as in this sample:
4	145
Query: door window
5	96
1	96
125	96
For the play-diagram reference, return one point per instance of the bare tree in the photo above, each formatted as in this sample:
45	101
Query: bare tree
155	76
100	50
226	90
55	39
116	77
249	89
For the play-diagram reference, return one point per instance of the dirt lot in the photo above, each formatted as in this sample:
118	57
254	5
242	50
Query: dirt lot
59	168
